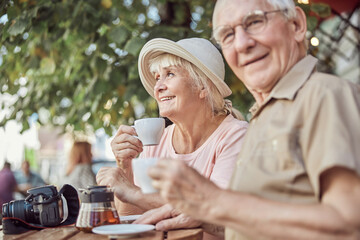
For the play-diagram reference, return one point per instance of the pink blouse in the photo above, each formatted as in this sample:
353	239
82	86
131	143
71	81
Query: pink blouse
215	159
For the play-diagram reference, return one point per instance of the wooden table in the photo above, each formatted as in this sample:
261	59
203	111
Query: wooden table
71	233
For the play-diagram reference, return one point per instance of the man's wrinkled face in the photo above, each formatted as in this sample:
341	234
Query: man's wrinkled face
258	60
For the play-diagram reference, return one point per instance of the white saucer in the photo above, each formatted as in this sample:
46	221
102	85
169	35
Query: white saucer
128	219
123	229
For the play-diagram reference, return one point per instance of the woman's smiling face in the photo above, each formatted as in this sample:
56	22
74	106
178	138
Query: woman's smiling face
175	92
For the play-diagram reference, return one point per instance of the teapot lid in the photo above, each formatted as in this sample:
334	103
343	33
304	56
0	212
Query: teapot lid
94	194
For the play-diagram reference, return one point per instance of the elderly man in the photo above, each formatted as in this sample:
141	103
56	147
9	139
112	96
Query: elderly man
297	176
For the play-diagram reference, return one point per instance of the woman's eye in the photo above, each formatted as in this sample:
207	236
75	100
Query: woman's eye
170	74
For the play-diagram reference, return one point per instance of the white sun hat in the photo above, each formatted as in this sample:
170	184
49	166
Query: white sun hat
200	52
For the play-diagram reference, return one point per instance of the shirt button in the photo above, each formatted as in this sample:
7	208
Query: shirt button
239	162
274	143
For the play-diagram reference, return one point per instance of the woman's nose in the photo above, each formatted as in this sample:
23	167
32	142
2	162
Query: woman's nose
159	86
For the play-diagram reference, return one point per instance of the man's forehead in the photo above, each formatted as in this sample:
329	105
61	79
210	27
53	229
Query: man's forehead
228	11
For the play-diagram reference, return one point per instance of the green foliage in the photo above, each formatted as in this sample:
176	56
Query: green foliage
321	9
74	62
313	12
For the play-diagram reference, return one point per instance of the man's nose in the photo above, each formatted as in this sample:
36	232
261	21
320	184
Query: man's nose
242	41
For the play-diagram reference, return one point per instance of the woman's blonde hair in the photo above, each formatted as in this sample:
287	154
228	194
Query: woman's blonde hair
80	153
218	104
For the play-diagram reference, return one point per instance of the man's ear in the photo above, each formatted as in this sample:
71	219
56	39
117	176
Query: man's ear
300	26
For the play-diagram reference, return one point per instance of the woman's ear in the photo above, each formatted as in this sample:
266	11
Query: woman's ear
300	26
203	93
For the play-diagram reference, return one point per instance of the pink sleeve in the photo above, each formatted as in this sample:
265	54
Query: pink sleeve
227	152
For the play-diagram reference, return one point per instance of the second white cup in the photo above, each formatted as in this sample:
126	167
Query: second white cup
140	168
149	130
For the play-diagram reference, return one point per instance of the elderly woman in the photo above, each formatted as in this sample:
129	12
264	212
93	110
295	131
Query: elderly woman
187	80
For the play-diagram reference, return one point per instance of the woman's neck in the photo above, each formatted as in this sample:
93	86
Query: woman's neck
190	135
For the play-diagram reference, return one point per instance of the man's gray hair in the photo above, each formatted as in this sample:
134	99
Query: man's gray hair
282	4
277	4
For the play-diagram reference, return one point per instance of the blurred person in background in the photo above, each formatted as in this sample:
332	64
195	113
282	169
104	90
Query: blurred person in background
79	168
186	78
26	178
7	184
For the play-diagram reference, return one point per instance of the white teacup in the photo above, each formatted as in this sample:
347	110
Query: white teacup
149	130
140	168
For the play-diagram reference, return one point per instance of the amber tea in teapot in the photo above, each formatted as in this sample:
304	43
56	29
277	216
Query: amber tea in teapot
97	208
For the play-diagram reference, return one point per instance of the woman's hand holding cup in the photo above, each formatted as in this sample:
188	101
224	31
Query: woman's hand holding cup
126	146
129	140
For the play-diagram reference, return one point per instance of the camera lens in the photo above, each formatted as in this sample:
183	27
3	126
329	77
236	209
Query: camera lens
20	209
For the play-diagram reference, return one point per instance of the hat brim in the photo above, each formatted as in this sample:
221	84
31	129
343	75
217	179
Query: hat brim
158	46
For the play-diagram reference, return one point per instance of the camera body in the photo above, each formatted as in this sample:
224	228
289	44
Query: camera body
43	206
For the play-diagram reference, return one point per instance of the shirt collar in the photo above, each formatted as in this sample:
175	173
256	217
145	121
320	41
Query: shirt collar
289	85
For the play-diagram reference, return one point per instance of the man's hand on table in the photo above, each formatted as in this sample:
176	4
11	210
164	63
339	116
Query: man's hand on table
167	218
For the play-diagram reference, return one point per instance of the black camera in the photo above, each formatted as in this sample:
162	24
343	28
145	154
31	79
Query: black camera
43	207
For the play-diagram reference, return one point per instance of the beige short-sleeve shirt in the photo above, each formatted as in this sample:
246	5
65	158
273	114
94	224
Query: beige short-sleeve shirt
309	123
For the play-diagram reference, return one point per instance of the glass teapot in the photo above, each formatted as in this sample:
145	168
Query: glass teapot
97	208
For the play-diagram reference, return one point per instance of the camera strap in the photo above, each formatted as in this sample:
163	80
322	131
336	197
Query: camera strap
72	202
65	208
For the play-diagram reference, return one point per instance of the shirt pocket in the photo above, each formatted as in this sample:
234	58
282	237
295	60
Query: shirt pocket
279	153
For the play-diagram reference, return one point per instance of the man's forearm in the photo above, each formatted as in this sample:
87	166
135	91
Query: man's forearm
140	200
146	201
138	203
258	218
213	229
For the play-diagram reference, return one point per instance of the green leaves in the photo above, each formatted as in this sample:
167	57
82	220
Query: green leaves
321	9
80	57
313	12
118	35
311	23
134	45
47	66
19	25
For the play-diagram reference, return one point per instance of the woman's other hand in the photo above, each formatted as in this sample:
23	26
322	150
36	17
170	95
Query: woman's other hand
114	177
182	186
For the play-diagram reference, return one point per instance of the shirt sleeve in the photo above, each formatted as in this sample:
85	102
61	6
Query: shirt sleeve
226	156
331	132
